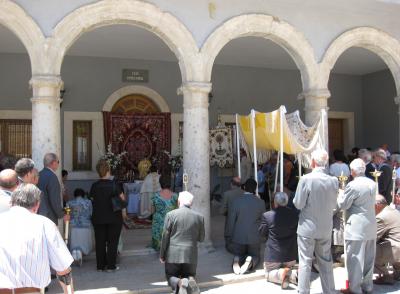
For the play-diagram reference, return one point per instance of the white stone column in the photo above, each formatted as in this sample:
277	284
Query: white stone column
314	101
196	148
46	128
397	101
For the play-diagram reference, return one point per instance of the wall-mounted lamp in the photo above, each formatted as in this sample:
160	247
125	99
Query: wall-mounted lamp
210	97
62	92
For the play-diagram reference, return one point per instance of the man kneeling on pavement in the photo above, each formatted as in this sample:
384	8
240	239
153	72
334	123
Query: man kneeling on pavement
279	226
183	228
243	221
388	241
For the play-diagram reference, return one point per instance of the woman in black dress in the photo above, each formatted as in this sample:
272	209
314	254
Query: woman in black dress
107	223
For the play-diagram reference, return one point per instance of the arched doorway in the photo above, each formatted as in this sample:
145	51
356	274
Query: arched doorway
372	57
135	103
255	62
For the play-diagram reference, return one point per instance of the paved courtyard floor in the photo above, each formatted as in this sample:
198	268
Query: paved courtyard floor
141	272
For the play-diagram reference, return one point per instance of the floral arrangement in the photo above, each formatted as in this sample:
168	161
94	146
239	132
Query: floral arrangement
175	161
113	159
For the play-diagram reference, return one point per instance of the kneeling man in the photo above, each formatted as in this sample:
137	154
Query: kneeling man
183	228
279	226
243	224
387	241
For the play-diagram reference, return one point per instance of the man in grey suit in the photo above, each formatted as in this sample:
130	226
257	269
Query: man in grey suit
315	197
358	203
226	208
50	202
244	220
387	241
183	228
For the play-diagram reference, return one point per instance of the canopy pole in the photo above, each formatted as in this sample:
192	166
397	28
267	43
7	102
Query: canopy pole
281	146
253	128
238	146
276	174
299	163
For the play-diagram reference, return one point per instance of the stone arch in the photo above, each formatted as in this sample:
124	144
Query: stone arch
377	41
124	91
265	26
13	17
133	12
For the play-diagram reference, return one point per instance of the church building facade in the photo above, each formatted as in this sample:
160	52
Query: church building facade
66	66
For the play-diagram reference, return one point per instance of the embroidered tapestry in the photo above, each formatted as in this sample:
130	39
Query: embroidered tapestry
141	136
221	147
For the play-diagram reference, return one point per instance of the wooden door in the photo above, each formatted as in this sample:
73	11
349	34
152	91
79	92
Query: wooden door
335	133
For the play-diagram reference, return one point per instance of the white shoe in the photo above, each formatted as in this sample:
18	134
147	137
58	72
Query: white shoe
235	265
75	256
193	286
80	257
246	265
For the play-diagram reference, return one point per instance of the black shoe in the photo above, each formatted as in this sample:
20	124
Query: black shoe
384	280
113	270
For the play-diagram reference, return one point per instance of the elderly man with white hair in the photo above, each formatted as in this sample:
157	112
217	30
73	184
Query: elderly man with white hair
366	156
183	228
279	227
385	182
358	204
316	197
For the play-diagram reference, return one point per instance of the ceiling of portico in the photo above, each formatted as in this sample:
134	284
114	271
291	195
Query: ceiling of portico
123	41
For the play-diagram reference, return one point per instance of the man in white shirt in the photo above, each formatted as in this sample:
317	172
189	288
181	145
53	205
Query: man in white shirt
32	246
8	183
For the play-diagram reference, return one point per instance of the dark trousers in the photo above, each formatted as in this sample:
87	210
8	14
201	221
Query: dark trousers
106	237
244	250
228	245
176	271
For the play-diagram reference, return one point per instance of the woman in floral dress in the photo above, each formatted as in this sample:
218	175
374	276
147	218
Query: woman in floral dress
163	202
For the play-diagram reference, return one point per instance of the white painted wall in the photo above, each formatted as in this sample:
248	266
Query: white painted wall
318	20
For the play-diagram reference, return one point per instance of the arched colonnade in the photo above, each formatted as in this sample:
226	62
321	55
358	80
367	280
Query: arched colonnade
195	63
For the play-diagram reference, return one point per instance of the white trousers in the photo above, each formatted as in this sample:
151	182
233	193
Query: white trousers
360	257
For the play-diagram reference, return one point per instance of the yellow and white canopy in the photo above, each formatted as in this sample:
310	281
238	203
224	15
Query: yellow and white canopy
298	139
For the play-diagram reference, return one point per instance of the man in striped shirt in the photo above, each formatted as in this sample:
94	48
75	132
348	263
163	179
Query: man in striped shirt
30	245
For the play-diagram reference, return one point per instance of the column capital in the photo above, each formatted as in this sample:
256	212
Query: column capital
46	81
195	87
46	88
315	94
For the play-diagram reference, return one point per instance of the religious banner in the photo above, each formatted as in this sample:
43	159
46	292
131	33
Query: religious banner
221	147
141	136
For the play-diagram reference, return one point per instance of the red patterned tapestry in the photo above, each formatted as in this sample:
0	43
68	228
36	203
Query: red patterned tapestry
141	136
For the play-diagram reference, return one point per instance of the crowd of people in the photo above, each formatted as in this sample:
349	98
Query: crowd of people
335	212
34	251
32	203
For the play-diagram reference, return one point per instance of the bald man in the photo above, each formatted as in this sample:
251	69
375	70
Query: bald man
8	183
387	241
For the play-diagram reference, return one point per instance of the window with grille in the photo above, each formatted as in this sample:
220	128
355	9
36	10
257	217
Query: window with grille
82	145
16	137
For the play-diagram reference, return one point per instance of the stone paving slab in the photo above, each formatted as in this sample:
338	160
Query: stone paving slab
145	274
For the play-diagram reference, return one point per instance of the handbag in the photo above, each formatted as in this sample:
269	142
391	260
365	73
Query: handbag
117	203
